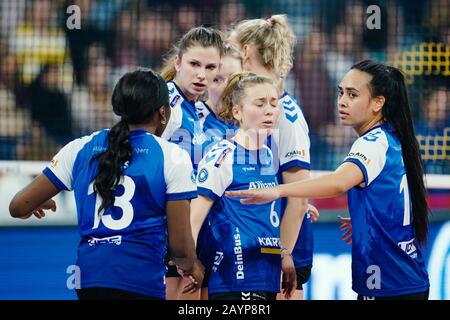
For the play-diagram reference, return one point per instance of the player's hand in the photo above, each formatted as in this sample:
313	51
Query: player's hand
39	211
195	277
289	275
253	196
314	213
346	226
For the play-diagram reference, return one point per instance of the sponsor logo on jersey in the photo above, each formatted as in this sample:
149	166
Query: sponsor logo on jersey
98	149
409	248
174	100
239	259
117	240
248	168
54	163
360	156
217	260
295	153
202	175
221	158
261	185
269	245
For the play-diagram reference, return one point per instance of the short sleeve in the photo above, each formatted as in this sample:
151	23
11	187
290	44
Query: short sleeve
179	174
293	138
60	169
369	154
176	112
215	171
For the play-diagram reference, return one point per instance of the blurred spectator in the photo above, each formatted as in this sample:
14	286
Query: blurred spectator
154	36
230	13
39	41
91	105
11	14
125	53
186	18
15	122
433	130
49	105
316	90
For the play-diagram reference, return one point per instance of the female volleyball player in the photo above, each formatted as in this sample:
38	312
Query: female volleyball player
383	175
247	262
215	130
189	71
125	207
267	47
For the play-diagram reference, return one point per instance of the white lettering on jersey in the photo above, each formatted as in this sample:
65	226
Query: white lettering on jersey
261	185
239	260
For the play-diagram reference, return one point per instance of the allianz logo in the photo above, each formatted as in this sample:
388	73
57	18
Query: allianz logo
261	185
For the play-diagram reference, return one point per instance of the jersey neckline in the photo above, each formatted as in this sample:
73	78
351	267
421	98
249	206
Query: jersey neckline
182	93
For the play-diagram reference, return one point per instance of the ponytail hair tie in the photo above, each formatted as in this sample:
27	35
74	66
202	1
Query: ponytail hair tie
271	22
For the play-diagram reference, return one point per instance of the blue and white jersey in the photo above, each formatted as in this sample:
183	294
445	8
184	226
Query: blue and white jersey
386	258
294	151
184	127
124	247
247	236
214	128
293	136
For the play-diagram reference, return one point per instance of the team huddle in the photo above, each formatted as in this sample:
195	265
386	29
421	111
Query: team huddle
201	190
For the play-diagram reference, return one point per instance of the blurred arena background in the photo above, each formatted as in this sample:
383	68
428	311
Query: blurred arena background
56	81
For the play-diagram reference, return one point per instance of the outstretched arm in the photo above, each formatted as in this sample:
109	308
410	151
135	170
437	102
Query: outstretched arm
330	185
34	199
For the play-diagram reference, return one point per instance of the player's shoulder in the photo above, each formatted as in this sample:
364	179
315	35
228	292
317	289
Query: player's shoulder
166	146
220	152
291	109
97	138
175	95
376	135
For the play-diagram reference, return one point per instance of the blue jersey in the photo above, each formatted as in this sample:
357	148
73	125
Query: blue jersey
247	237
214	128
124	247
293	151
386	258
184	127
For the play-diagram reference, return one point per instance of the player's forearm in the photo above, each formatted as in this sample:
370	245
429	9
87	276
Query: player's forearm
326	186
199	210
291	222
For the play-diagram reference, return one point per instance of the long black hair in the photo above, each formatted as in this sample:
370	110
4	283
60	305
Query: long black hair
389	82
137	97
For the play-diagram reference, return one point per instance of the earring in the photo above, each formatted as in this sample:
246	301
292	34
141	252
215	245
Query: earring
163	121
